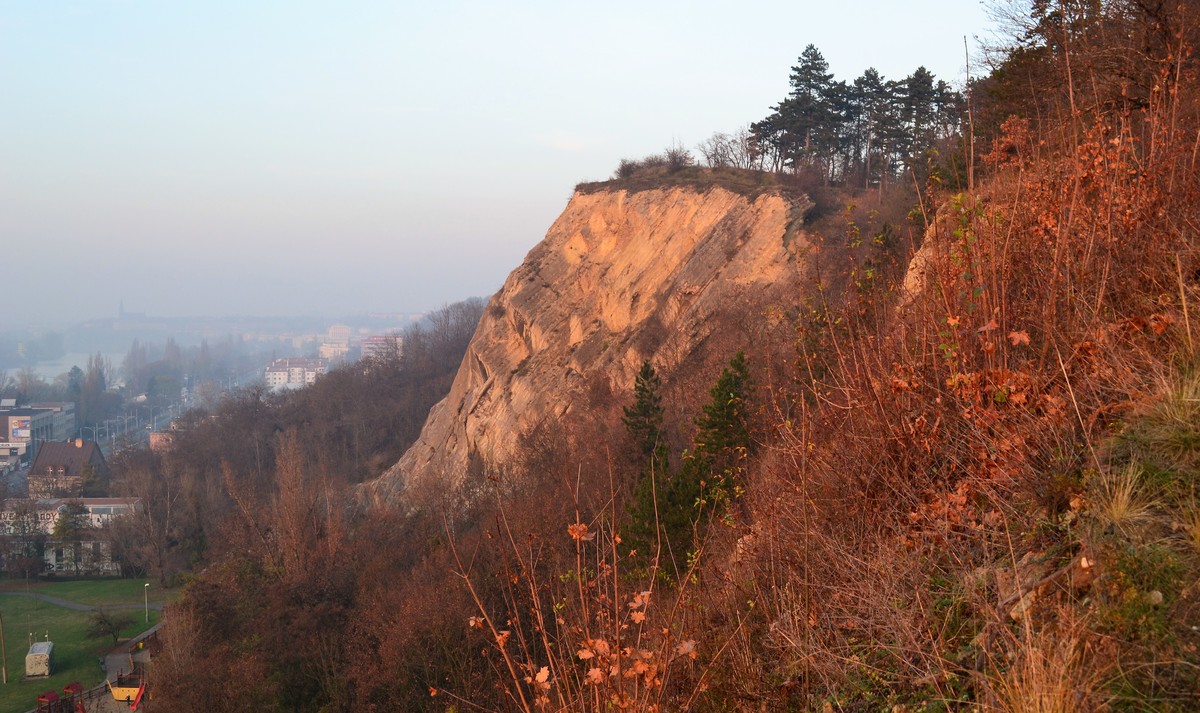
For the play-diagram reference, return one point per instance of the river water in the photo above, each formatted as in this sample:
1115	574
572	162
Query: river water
48	370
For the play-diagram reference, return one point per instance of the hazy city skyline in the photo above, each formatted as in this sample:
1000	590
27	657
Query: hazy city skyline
224	158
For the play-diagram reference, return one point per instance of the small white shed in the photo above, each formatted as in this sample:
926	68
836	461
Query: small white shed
39	662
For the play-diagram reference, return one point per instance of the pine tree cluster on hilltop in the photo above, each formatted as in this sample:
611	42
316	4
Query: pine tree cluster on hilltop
863	132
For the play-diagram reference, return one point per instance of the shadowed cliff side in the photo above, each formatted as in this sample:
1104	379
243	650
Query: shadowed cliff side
671	274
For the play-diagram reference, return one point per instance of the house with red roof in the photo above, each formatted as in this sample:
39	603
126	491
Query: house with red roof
68	469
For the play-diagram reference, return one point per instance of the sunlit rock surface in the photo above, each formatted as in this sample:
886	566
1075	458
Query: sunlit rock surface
675	275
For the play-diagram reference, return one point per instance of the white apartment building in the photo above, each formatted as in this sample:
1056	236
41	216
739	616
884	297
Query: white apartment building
294	372
380	345
333	351
28	527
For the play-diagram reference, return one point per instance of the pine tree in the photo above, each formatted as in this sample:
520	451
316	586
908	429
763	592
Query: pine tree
682	503
722	430
810	78
805	123
920	112
874	102
644	418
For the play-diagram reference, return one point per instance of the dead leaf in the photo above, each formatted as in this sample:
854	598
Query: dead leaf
579	532
1018	338
687	648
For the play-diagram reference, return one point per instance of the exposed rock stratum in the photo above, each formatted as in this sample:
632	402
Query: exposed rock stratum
676	275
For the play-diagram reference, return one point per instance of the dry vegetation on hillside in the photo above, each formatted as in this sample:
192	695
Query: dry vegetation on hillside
979	490
973	487
986	496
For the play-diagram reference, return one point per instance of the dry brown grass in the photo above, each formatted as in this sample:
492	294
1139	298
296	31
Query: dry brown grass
1050	671
1190	521
912	457
1120	500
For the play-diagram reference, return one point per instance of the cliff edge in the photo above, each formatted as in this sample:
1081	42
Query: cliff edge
671	274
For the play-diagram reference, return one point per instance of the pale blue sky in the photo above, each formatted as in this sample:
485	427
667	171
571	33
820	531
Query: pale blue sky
305	157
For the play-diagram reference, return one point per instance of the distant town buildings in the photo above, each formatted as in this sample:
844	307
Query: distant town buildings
25	428
340	334
331	351
337	343
28	527
294	372
378	346
62	419
162	441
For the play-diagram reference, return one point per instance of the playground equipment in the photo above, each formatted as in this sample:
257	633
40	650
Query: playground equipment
71	700
129	688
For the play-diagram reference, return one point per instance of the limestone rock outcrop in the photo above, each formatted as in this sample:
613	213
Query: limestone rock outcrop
672	274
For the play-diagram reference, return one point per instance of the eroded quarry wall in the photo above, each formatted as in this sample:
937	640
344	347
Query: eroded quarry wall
673	275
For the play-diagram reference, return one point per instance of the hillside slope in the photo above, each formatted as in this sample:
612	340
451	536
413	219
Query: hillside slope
621	277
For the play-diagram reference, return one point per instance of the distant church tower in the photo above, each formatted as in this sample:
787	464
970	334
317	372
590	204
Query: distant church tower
121	310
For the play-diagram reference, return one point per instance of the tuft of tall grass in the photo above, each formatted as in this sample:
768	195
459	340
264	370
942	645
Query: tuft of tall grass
1120	500
1167	432
1051	672
1190	520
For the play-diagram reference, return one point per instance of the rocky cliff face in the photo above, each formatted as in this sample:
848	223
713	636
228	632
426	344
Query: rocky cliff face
671	274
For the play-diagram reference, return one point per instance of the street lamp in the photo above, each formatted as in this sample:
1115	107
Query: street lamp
108	427
94	429
146	597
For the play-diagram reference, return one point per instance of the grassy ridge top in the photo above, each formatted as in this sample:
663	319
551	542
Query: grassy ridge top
746	182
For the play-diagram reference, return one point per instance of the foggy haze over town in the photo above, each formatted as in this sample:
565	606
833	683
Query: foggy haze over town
320	159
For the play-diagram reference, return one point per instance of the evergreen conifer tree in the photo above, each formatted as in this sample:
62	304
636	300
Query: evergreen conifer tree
644	418
722	430
681	503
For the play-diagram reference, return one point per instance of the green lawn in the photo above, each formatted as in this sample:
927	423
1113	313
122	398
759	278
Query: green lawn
102	592
75	657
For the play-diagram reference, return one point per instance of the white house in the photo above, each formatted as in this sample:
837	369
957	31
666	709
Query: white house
28	529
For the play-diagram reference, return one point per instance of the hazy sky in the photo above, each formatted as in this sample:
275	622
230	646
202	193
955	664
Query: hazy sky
301	157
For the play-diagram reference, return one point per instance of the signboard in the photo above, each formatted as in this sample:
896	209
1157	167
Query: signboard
13	448
42	516
20	427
